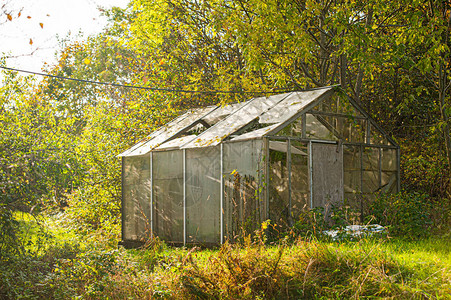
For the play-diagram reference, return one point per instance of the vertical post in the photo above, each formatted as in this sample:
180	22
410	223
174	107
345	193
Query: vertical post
310	168
380	168
122	199
267	179
304	126
151	195
289	181
184	196
398	168
361	168
361	182
222	193
368	131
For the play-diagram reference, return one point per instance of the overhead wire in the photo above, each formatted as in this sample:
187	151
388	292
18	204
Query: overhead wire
141	87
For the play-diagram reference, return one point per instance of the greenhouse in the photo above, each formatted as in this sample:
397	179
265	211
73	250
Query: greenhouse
216	172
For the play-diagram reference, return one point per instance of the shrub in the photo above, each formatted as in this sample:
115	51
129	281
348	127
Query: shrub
91	208
406	214
313	222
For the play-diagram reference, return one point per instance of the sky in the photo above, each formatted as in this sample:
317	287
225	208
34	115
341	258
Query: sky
58	18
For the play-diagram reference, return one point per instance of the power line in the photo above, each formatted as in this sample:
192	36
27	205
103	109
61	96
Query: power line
141	87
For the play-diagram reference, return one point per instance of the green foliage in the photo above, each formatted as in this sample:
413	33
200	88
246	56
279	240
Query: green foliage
96	269
59	141
35	170
310	223
90	208
313	223
305	270
233	274
406	214
425	168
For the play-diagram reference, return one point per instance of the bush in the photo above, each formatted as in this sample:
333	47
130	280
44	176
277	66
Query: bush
91	208
313	222
406	214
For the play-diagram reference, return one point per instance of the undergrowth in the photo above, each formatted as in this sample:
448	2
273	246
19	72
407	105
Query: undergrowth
61	264
303	269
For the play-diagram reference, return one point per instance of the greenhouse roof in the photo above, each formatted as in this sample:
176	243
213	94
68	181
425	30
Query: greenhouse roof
210	126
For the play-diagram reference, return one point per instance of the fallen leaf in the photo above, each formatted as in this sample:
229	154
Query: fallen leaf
87	61
28	17
41	24
31	42
9	17
19	14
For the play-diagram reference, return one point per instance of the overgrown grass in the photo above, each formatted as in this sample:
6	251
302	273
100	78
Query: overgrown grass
93	268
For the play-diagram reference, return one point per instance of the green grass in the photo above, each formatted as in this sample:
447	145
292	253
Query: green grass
92	267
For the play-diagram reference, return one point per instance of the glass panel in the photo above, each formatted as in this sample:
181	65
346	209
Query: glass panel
203	186
389	178
370	179
389	182
222	112
256	134
177	143
352	176
300	191
278	188
316	129
338	104
242	204
327	175
235	121
136	195
168	195
167	131
389	162
291	105
293	129
347	123
350	130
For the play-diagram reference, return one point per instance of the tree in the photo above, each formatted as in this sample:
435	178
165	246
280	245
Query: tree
431	30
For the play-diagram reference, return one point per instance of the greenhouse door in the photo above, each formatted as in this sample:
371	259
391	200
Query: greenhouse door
326	174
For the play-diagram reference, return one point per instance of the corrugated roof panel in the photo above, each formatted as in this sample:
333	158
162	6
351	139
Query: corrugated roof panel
291	105
239	118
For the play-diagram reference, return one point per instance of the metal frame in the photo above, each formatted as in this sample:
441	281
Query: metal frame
267	177
307	108
290	205
184	196
310	171
151	195
264	177
398	168
380	167
337	115
122	197
221	194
